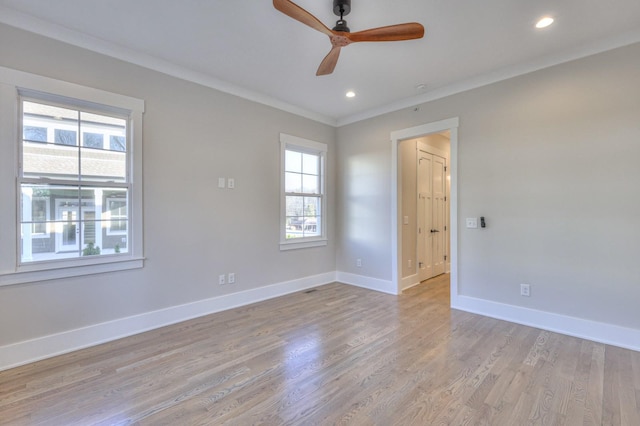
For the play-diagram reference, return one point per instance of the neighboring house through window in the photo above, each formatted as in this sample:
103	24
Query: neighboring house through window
78	189
303	199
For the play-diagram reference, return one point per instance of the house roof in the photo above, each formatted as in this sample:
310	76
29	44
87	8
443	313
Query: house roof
60	162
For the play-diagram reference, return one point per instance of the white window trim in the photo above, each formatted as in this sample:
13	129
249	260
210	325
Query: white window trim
298	143
11	271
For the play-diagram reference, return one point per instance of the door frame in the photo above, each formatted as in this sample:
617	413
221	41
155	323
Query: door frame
397	137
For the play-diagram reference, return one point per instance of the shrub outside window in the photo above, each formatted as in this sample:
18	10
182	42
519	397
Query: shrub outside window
79	184
73	165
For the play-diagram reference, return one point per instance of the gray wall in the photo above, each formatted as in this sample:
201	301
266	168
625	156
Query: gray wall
193	230
551	159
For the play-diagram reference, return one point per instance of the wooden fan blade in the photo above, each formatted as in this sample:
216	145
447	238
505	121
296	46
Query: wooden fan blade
398	32
299	14
329	62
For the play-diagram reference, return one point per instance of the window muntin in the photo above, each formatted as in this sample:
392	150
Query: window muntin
304	206
76	180
303	196
18	86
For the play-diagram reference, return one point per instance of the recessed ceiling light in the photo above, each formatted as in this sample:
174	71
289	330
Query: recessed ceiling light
544	22
421	86
350	94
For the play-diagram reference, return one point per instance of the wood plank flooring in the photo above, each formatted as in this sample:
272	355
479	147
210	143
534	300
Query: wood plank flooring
336	355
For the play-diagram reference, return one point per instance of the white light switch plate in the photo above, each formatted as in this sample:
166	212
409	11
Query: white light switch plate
472	222
222	182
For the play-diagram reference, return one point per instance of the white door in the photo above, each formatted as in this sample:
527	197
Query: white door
425	211
67	228
70	231
432	189
438	224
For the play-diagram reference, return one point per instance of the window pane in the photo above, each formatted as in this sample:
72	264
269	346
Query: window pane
103	165
89	197
292	161
312	206
310	184
294	206
89	228
38	118
39	215
49	160
57	159
66	221
292	182
110	128
310	164
312	226
54	210
116	213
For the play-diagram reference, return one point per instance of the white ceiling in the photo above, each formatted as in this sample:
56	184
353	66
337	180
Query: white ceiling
247	48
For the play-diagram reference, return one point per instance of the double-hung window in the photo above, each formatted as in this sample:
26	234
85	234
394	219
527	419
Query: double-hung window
303	193
77	184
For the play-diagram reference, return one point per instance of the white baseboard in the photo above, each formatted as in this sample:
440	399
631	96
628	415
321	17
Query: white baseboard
586	329
366	282
21	353
408	282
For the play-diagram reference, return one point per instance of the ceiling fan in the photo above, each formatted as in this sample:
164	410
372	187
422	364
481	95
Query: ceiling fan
341	36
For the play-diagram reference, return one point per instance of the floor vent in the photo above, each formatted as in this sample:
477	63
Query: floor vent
311	291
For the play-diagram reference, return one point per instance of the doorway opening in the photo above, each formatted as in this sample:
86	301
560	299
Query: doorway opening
409	146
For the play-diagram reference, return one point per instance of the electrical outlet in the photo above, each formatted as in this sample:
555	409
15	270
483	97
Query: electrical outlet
231	278
231	183
525	290
359	263
221	279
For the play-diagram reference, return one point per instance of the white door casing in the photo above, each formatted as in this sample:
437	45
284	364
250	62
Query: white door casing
398	284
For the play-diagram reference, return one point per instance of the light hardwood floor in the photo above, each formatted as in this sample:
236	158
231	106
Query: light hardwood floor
336	355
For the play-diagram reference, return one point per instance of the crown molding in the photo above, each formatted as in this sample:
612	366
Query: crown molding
57	32
38	26
506	73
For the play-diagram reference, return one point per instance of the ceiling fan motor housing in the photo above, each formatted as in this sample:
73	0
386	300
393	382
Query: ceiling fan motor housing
341	7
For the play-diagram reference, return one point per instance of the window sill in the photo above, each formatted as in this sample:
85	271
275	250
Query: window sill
291	245
21	277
